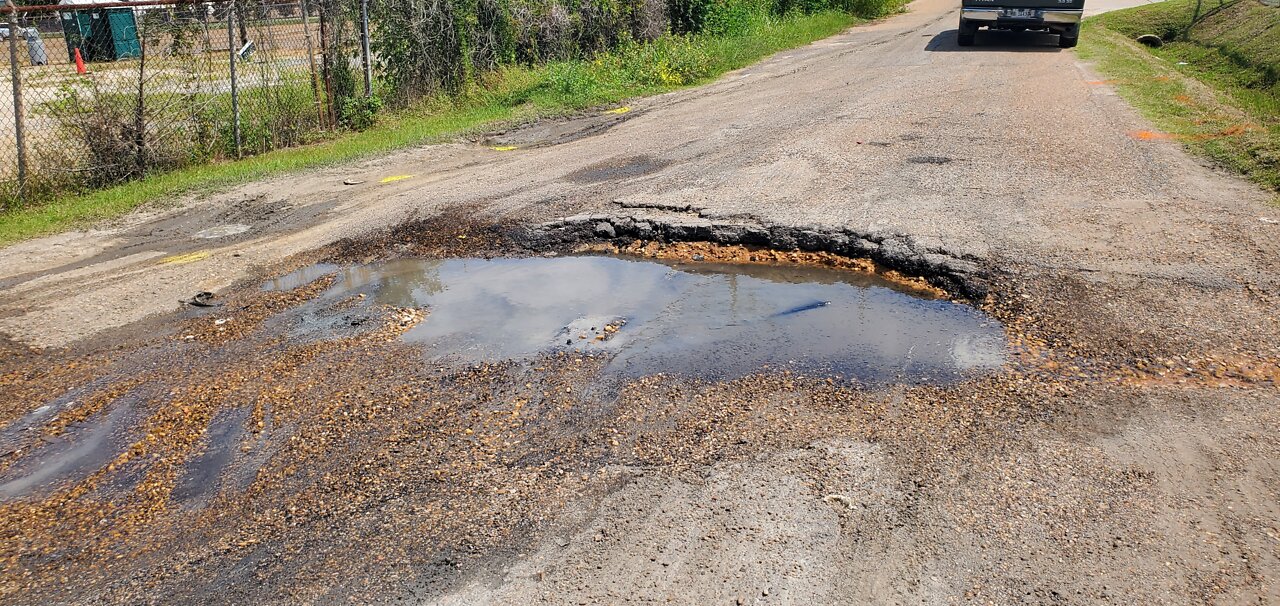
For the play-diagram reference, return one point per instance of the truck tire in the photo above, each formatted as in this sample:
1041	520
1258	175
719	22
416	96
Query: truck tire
1068	41
966	34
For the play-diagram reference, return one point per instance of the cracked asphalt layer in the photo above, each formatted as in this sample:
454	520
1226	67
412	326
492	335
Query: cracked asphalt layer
1128	454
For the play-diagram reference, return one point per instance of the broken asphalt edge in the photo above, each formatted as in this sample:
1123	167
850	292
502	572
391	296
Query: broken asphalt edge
961	275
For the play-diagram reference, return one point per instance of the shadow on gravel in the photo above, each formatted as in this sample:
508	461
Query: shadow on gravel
989	41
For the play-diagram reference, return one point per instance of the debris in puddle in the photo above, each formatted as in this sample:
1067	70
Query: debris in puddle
802	308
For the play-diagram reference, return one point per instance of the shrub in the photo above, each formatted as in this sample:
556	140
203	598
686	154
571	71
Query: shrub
670	61
116	133
359	112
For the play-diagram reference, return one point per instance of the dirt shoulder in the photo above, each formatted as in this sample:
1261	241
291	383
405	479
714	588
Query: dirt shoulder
1210	85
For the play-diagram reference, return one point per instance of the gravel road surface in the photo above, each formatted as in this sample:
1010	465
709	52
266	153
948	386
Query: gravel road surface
1129	454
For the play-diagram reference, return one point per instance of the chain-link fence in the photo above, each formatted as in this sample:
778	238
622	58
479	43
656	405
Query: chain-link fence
104	92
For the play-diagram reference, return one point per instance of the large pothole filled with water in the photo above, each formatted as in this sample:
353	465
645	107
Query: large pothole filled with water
697	319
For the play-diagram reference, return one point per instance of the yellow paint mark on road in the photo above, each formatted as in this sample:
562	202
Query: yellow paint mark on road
505	148
619	111
187	258
396	178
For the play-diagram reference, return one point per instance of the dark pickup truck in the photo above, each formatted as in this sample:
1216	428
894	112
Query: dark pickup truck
1061	17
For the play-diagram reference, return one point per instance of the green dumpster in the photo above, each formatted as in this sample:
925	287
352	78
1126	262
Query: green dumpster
101	34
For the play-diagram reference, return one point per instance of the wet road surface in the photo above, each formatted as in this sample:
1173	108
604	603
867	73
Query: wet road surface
1125	452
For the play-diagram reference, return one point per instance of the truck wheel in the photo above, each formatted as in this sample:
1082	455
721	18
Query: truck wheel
1068	41
967	33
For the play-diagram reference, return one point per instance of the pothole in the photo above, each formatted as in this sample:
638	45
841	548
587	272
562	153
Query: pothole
937	160
699	319
616	169
222	231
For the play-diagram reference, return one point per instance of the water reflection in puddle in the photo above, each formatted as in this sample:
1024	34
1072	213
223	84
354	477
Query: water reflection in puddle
85	448
714	321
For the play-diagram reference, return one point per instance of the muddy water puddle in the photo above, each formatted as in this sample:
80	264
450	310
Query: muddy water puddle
82	450
705	320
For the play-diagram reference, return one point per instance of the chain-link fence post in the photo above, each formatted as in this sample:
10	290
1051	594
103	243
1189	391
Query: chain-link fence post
364	48
326	61
231	58
19	112
311	61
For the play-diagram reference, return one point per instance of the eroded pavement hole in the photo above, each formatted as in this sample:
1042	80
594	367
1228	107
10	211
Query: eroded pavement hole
937	160
703	319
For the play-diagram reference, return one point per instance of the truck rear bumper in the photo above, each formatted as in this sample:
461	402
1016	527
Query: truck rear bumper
998	17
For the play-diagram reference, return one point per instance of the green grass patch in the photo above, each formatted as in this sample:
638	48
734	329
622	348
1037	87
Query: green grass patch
505	96
1214	84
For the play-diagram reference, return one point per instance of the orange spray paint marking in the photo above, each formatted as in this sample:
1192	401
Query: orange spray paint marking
1100	82
1149	135
1231	131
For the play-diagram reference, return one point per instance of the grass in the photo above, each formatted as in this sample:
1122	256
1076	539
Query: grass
1214	85
502	97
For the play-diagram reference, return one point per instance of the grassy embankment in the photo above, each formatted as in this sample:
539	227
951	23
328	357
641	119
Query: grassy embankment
1215	83
506	96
